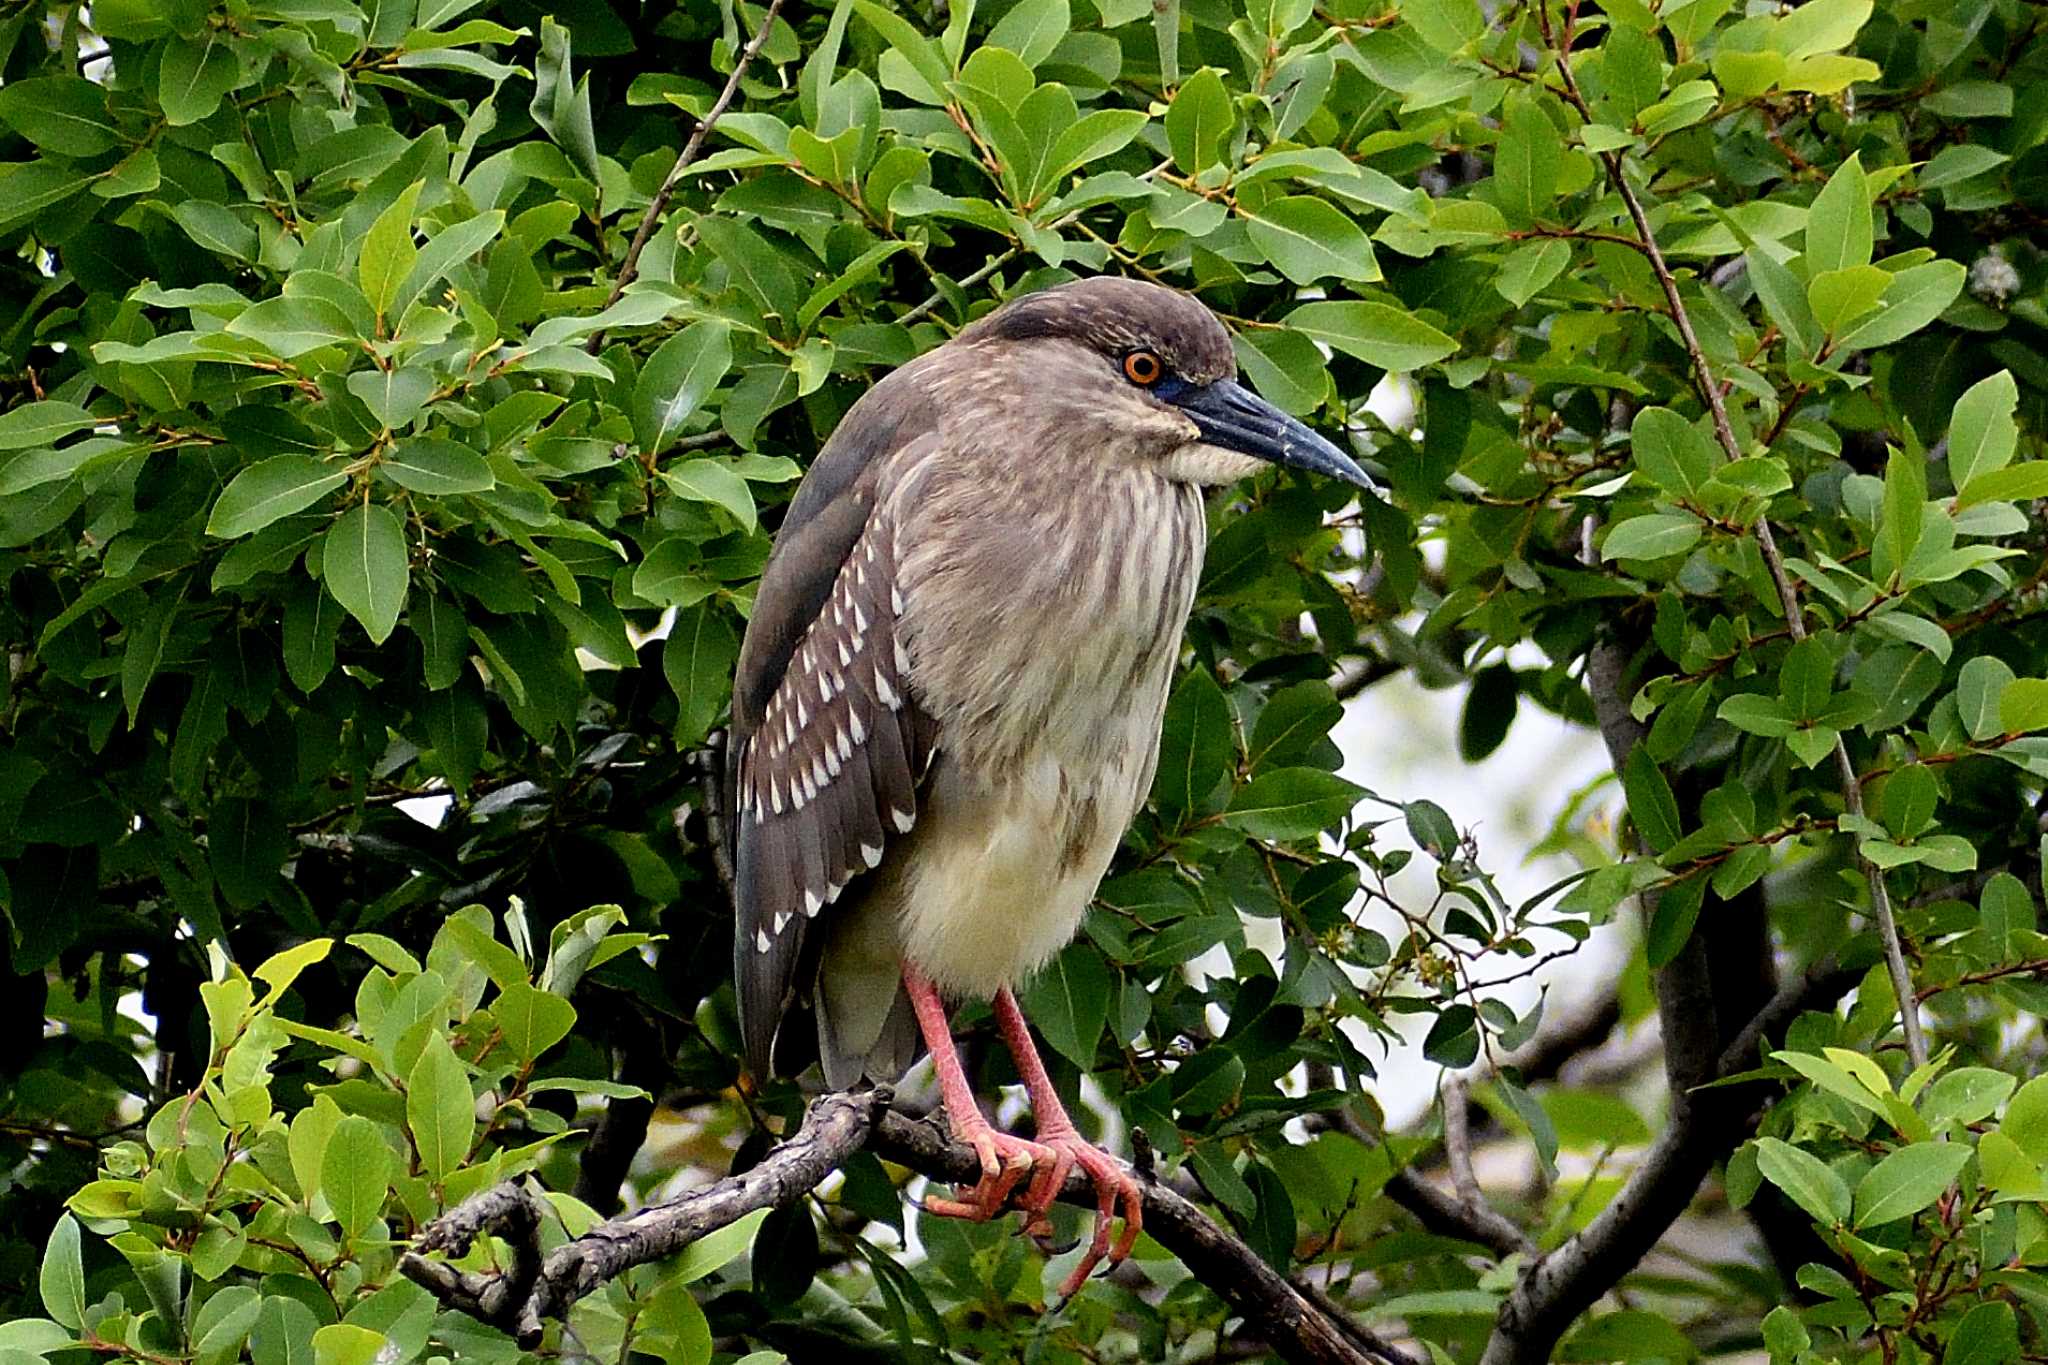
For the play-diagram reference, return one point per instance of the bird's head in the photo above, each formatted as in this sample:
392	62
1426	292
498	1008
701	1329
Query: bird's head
1150	371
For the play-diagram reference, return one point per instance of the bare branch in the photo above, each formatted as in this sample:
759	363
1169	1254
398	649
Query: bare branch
629	268
1297	1329
835	1127
519	1299
1453	1099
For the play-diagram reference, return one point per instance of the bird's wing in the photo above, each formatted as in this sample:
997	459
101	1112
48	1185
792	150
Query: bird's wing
829	742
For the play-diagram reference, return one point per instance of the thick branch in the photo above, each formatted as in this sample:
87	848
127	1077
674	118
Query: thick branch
1295	1328
1557	1288
519	1298
835	1127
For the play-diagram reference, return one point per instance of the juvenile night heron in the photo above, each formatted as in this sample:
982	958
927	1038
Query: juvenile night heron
949	699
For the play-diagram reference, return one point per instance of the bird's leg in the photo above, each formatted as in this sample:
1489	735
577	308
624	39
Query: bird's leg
1005	1160
1114	1185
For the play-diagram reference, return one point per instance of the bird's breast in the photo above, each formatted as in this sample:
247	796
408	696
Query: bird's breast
1042	623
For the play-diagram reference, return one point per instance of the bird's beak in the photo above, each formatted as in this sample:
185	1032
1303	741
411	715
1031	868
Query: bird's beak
1235	418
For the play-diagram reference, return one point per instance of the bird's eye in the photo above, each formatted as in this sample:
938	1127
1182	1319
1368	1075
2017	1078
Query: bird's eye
1143	368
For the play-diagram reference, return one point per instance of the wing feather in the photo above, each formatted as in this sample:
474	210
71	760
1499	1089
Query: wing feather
825	779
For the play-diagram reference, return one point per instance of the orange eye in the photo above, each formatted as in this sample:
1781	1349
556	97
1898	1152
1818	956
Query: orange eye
1143	368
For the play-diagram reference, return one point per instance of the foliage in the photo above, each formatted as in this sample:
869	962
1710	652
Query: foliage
338	470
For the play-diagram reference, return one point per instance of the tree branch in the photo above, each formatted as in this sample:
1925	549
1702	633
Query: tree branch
517	1300
532	1289
1295	1328
1767	545
1555	1289
629	268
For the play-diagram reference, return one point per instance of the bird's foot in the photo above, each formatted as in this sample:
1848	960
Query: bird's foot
1116	1190
1005	1161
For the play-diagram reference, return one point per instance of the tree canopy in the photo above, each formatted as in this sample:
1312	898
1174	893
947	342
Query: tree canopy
398	398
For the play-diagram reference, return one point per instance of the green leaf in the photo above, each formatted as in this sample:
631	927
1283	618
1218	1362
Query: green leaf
698	659
283	1333
366	567
1672	453
291	326
1530	268
1291	803
1651	536
1982	435
440	1109
1917	296
1839	297
1989	1334
1905	507
62	1278
1982	682
1805	1179
41	423
713	481
1031	29
1676	913
2023	706
344	1343
1526	162
1908	1181
1819	26
676	380
1200	121
394	396
436	465
1651	803
1197	745
1069	1002
355	1173
62	114
2015	483
1309	239
716	1250
1784	302
196	75
269	490
388	254
1838	226
1373	332
533	1020
1430	826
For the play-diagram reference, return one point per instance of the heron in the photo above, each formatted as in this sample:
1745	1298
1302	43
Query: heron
949	697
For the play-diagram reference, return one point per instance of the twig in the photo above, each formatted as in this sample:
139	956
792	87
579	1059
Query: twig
998	261
1774	562
1458	1141
1367	1341
923	310
629	268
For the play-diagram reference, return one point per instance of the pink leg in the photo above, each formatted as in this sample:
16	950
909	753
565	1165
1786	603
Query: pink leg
1114	1184
1005	1160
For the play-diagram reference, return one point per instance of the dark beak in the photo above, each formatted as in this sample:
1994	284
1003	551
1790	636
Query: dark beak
1235	418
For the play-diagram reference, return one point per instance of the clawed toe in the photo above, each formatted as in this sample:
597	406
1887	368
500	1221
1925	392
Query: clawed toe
1007	1160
